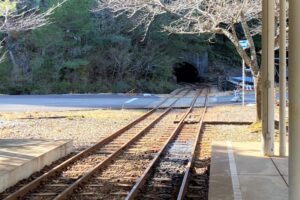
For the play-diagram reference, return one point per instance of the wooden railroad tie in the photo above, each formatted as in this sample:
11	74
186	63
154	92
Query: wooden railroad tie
190	119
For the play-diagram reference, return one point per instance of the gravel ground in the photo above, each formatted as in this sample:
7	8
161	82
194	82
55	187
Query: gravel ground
234	133
229	113
84	127
236	113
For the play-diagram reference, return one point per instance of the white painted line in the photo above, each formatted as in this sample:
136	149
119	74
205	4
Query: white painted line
131	100
237	194
213	99
234	99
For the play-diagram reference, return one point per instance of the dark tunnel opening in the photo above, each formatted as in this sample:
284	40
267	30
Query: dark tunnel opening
185	72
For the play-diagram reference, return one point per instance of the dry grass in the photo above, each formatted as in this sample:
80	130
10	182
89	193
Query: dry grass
255	127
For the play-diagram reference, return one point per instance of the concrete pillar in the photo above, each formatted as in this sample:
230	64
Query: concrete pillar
282	79
268	76
294	99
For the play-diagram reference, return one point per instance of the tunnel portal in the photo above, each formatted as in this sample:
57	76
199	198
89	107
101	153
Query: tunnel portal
185	72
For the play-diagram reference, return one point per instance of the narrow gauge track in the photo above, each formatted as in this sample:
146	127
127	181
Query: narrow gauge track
117	179
56	183
197	187
167	176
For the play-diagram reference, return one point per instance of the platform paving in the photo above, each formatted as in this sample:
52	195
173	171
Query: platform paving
19	158
240	172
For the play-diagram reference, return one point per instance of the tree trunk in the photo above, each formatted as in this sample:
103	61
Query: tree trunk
251	62
10	46
15	70
258	95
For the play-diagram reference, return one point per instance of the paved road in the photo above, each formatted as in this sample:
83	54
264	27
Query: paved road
231	99
21	103
75	102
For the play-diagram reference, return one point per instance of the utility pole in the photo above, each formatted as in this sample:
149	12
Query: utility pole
244	45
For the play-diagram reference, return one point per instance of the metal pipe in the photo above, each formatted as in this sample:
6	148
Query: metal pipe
268	77
294	99
282	79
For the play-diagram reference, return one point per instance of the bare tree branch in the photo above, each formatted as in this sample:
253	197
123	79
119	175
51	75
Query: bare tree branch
195	17
12	20
202	16
26	20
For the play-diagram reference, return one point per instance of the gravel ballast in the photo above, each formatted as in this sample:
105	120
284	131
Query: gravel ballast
84	127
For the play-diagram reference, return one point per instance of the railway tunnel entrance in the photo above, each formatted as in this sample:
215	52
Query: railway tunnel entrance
185	72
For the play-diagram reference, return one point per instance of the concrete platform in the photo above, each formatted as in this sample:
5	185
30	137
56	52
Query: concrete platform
239	172
20	158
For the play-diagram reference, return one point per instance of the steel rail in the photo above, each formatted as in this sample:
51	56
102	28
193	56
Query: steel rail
141	181
185	179
68	191
56	170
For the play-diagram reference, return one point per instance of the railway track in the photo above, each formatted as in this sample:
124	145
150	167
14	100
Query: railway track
118	178
197	187
167	176
110	153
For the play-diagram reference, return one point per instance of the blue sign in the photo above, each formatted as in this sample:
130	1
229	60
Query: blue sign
244	44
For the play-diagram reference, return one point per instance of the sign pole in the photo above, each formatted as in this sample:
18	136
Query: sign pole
243	80
244	45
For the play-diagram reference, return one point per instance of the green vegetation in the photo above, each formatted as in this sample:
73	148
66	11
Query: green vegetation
7	5
81	52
